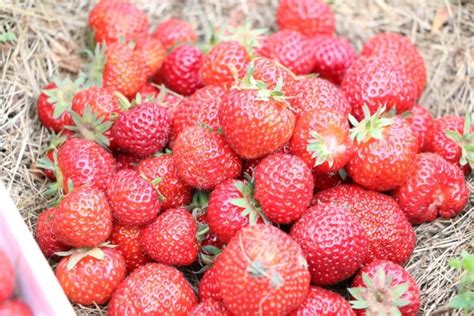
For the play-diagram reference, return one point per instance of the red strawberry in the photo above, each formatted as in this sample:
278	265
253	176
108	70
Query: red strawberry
436	188
323	302
7	277
376	82
45	236
271	73
421	122
162	172
334	242
333	55
210	307
134	200
14	307
401	51
148	91
324	181
54	144
102	102
310	17
181	69
153	289
127	240
151	52
91	276
204	159
164	97
209	286
174	31
263	269
126	161
283	187
384	288
385	151
390	235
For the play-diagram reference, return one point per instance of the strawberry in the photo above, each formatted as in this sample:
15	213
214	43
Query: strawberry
385	288
153	289
151	52
210	307
7	277
83	218
333	240
310	17
376	82
162	172
181	69
291	49
204	159
385	151
148	91
173	32
271	73
209	286
421	122
164	97
102	102
436	188
333	55
262	269
324	181
14	307
54	144
283	187
126	161
171	238
390	235
45	236
401	51
133	199
90	276
126	238
323	302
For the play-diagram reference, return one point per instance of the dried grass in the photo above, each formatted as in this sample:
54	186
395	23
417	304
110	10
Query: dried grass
51	35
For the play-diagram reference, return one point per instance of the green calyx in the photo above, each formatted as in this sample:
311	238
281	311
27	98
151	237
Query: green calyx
76	255
370	127
247	36
57	139
90	126
54	190
465	141
319	150
251	207
95	67
125	104
61	96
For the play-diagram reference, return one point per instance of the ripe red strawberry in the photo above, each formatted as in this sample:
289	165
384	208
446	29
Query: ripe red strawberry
255	122
126	161
153	289
126	238
174	31
54	144
333	240
91	276
162	172
271	73
283	187
102	102
333	55
401	51
310	17
210	307
291	49
83	218
421	122
323	302
148	91
164	97
134	200
384	288
181	69
45	236
322	140
436	188
14	307
204	159
171	238
390	235
209	286
263	269
324	181
385	151
151	52
376	82
7	277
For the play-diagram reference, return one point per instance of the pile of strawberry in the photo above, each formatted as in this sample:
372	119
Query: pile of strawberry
242	163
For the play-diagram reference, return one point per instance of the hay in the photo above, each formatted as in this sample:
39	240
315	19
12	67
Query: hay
51	34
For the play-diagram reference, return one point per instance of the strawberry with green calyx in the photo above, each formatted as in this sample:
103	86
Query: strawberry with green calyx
323	302
208	241
247	36
91	127
271	72
210	307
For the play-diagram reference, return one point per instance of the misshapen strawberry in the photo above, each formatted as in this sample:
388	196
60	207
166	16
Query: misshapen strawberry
7	277
421	122
175	31
45	235
323	302
126	238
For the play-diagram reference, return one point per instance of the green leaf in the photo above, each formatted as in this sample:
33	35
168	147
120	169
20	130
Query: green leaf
7	37
464	301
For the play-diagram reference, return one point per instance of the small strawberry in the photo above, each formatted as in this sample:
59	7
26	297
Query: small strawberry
45	235
209	286
204	159
385	288
210	307
151	52
153	289
421	122
126	238
271	73
7	277
323	302
14	307
173	32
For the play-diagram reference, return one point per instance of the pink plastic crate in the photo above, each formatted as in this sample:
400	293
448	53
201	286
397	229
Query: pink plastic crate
35	281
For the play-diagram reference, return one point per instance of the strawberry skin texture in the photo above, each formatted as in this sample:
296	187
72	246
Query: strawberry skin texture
309	17
134	201
270	72
254	127
126	161
153	289
101	101
7	277
284	187
172	190
390	235
323	302
436	188
376	82
334	242
210	307
92	280
181	69
204	159
209	286
152	54
174	31
46	109
14	307
126	238
324	181
421	122
45	236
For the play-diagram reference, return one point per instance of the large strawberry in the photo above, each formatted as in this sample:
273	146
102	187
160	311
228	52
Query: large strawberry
204	159
210	307
90	276
334	242
263	269
385	288
174	31
153	289
126	238
323	302
7	277
151	52
421	122
45	235
390	235
436	188
14	307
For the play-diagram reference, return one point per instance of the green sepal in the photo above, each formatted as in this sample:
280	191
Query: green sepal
90	126
371	126
61	96
95	67
251	207
465	141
